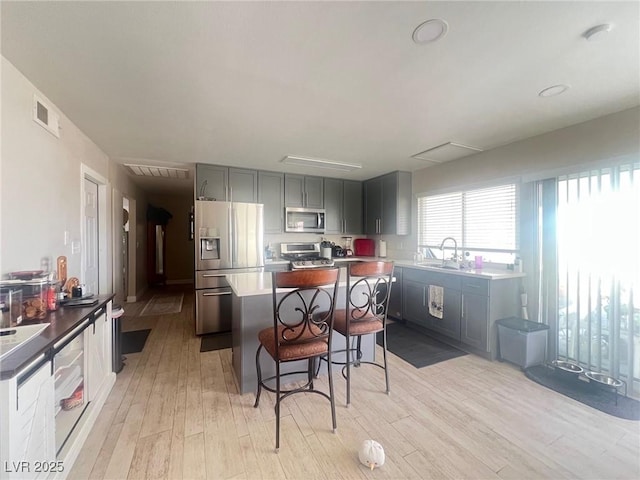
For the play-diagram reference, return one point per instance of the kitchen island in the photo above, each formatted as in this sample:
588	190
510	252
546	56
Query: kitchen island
252	310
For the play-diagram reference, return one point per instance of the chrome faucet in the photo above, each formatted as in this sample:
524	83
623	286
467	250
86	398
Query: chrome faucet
455	247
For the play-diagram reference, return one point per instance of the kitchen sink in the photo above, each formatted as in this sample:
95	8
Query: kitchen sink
13	338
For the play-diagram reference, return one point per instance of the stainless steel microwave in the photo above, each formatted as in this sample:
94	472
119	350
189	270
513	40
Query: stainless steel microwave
311	220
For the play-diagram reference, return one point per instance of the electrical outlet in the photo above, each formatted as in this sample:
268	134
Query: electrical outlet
66	237
75	246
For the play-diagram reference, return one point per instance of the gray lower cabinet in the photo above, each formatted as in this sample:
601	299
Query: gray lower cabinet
343	206
395	300
271	194
449	324
471	305
475	321
414	302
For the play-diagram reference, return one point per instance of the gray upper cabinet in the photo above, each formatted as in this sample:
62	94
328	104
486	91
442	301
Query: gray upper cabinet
303	191
243	185
271	194
387	202
226	184
343	206
211	182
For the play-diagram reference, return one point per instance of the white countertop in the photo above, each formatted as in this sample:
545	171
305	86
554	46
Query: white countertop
488	273
259	283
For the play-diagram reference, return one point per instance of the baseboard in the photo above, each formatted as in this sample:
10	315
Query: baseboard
137	296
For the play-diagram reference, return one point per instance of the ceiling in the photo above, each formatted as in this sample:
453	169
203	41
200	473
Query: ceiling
248	83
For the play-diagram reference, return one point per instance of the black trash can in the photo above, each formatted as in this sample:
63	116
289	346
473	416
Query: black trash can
116	339
522	342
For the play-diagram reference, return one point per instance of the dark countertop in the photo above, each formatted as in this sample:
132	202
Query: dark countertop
61	322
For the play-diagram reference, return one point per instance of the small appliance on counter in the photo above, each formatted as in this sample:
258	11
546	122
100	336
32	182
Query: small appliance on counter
348	252
382	248
364	247
325	249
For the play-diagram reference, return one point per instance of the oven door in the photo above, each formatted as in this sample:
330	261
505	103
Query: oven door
304	220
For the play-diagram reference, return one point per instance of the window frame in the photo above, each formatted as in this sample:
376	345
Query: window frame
430	248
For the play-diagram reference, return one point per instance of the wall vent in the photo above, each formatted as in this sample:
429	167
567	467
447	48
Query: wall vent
158	172
44	116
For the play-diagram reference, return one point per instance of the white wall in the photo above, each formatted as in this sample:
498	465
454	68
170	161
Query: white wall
40	182
605	139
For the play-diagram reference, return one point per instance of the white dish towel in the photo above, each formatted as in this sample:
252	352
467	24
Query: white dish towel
436	296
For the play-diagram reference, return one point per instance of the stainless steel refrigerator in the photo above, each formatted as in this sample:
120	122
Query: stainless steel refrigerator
228	239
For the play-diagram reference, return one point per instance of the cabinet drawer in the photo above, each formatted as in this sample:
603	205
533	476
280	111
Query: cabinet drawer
479	286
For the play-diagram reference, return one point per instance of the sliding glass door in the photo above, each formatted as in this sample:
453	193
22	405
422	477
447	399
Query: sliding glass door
598	270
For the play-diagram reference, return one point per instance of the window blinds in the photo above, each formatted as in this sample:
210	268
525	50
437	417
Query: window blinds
482	219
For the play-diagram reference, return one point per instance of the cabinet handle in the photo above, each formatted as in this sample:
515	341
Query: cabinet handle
215	294
231	194
462	305
213	275
424	296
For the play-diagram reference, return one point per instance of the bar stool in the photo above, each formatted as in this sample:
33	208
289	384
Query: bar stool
368	291
302	330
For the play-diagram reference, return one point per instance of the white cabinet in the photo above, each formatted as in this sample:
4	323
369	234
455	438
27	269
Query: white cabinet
27	446
98	347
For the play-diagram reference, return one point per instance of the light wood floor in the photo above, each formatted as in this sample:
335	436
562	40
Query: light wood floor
175	413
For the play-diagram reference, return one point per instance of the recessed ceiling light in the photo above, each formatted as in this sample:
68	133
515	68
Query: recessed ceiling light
597	32
553	91
430	31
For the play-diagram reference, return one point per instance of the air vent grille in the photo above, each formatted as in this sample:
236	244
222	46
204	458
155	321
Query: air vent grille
158	172
445	152
44	116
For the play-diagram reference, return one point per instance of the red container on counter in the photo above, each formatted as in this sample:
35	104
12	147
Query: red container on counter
364	247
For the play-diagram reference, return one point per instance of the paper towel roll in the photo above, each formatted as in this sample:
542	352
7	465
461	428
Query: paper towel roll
382	248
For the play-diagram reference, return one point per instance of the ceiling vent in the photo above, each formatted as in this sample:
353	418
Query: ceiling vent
320	163
158	172
446	152
44	116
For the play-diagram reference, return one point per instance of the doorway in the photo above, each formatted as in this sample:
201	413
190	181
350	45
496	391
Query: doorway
94	267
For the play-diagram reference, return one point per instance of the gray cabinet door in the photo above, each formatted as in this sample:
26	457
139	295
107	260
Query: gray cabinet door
243	185
303	191
414	307
271	194
333	205
395	300
352	206
314	192
475	321
389	203
212	181
294	190
372	205
449	324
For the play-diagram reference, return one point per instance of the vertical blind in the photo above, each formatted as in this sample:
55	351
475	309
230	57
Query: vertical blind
481	219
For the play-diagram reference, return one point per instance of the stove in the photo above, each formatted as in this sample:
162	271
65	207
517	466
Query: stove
304	255
311	263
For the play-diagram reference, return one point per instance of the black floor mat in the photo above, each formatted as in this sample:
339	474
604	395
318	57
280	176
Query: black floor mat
215	341
590	394
417	349
133	341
